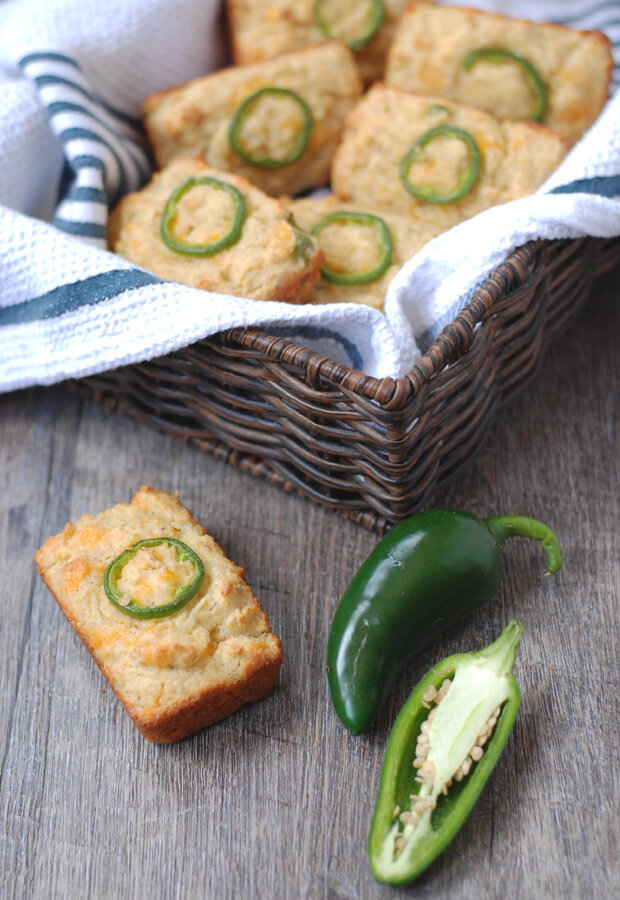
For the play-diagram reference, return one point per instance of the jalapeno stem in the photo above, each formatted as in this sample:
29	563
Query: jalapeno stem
500	655
504	527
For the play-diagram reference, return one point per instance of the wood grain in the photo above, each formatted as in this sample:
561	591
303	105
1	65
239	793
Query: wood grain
276	801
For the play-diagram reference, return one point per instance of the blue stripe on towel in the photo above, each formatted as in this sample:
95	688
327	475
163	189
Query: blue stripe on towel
317	332
88	193
48	57
85	134
67	60
63	106
80	229
603	185
69	297
587	11
45	80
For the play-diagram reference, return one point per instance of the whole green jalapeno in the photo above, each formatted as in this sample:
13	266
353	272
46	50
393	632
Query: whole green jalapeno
426	574
441	750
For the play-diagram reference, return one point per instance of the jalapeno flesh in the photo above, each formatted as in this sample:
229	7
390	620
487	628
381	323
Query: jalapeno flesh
182	596
384	243
375	18
302	139
439	757
532	75
466	180
169	216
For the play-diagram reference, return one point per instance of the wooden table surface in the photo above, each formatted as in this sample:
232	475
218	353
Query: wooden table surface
276	801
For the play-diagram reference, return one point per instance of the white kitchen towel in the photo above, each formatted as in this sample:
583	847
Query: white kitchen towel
73	74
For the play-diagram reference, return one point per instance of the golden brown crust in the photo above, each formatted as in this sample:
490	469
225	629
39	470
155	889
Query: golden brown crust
576	66
264	264
195	118
188	697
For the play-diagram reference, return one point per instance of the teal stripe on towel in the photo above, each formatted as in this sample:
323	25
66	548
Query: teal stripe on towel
70	297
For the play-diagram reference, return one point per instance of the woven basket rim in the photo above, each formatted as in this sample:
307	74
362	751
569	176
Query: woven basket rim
389	392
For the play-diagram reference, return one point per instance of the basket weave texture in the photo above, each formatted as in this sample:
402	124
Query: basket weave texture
374	449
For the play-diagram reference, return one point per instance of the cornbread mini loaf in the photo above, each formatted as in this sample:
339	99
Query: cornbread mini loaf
363	249
512	68
264	29
178	672
188	207
437	162
277	123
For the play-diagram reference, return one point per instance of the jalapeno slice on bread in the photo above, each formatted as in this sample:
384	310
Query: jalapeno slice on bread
355	24
532	75
383	240
417	153
183	595
169	218
248	108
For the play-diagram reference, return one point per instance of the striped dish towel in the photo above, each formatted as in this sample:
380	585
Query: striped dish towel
105	150
71	84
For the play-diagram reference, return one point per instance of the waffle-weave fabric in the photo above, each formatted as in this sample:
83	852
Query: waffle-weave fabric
74	78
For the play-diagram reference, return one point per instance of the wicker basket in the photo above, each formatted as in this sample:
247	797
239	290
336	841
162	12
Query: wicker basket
374	449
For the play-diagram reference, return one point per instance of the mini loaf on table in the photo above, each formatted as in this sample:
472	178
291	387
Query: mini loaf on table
354	247
177	674
271	260
515	158
264	29
432	44
197	118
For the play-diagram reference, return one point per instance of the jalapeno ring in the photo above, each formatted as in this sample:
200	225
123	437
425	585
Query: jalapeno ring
376	18
534	80
170	210
384	241
182	597
465	182
300	144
